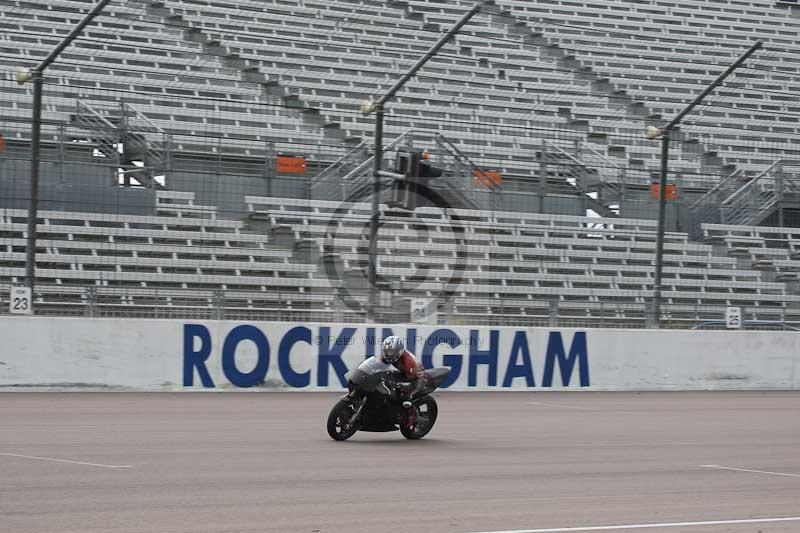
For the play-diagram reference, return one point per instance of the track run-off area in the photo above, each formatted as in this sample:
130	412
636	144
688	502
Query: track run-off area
495	462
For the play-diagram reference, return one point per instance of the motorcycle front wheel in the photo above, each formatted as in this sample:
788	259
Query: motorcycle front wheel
339	419
427	411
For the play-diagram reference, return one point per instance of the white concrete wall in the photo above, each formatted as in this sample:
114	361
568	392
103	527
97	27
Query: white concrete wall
169	354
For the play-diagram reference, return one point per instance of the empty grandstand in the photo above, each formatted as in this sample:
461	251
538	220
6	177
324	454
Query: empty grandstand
204	159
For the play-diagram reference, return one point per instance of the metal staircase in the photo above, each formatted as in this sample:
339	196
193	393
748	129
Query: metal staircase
589	179
330	183
459	180
349	179
139	146
745	200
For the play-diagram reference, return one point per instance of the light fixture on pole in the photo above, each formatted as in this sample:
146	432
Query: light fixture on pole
24	75
653	133
36	75
368	107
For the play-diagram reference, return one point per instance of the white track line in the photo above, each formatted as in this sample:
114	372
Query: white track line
548	404
64	461
720	467
653	526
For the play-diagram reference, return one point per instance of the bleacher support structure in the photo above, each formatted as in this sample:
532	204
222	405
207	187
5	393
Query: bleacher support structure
552	97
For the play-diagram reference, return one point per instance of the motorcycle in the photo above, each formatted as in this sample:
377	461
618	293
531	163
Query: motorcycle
374	403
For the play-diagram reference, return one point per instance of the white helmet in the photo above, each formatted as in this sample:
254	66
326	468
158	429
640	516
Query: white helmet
392	348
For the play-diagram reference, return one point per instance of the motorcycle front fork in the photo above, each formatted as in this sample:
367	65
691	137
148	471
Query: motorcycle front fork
357	413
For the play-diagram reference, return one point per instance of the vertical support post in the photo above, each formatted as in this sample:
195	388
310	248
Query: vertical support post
552	313
269	166
122	136
33	208
376	213
37	77
61	153
218	299
167	160
542	176
91	301
677	207
662	211
780	187
219	157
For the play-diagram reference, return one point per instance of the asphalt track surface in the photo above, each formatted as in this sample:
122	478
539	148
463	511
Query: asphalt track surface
262	462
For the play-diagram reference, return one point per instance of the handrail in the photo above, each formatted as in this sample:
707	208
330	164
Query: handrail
342	159
702	325
96	115
369	160
733	175
321	179
441	140
567	154
754	180
601	156
141	116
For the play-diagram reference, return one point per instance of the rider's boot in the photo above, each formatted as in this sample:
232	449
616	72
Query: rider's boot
412	416
412	411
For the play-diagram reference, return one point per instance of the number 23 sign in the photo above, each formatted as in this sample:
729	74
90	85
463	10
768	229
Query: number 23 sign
20	301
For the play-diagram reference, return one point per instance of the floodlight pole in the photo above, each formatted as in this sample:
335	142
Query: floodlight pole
664	134
378	108
37	77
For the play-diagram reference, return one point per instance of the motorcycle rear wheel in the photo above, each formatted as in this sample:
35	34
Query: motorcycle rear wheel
338	418
427	411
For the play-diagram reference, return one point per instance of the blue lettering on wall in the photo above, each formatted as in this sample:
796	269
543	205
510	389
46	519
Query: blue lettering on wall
196	359
255	376
448	337
523	370
563	363
411	339
370	340
293	336
331	354
556	353
482	357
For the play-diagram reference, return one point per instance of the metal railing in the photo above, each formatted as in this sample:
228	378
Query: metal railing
741	199
328	183
289	306
587	180
125	135
462	173
356	183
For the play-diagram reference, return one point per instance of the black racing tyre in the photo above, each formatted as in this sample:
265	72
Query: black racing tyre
338	418
427	411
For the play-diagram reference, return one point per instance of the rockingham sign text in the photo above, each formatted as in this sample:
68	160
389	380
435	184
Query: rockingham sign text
302	356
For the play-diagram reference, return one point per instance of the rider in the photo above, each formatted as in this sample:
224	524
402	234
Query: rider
393	352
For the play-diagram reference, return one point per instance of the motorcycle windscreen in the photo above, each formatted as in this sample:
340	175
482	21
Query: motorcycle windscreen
369	373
